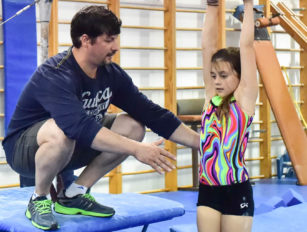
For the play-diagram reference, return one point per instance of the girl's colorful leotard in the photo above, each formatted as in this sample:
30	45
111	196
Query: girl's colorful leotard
223	144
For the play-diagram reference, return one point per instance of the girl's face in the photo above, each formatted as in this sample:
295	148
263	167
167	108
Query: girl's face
225	78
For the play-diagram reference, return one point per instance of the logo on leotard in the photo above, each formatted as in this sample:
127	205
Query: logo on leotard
244	205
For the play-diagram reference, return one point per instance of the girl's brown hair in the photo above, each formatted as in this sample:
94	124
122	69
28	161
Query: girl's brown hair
230	55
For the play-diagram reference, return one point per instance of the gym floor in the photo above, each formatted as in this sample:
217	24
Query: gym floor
266	194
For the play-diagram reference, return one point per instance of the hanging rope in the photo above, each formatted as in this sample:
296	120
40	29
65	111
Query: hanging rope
284	69
20	11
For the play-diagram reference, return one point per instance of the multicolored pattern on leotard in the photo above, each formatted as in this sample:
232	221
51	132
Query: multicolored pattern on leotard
222	145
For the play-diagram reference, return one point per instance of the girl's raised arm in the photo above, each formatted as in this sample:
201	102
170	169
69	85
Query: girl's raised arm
209	46
247	91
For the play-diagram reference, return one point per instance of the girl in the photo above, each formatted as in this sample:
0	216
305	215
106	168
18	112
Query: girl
225	201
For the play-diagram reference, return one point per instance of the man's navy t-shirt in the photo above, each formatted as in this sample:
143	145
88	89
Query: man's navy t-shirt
59	89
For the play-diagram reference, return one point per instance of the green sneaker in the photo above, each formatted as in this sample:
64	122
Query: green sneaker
40	213
82	204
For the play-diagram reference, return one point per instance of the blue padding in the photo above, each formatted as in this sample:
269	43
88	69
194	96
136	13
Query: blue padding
20	51
132	210
292	198
283	219
184	228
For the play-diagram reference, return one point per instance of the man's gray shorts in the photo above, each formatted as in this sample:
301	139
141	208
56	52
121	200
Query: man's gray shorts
26	147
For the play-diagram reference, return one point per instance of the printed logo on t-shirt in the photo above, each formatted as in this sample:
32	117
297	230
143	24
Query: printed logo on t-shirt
97	105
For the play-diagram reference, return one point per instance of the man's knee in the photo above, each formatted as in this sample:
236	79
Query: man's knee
128	127
51	134
137	130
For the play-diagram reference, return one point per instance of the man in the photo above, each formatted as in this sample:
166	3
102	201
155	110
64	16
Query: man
60	122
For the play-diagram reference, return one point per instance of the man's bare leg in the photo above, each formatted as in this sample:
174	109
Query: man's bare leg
106	161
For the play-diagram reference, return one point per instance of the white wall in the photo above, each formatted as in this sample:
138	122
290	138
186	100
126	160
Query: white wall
155	58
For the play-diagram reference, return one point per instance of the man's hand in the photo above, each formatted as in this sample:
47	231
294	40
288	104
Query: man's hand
155	156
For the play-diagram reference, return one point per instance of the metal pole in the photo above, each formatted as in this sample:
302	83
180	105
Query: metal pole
44	16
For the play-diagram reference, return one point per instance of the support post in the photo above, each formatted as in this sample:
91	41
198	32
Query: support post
221	25
116	177
265	117
303	62
170	80
53	39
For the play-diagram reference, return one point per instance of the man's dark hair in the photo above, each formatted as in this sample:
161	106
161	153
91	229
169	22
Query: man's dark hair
93	21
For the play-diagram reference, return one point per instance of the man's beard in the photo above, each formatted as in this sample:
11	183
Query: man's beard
108	59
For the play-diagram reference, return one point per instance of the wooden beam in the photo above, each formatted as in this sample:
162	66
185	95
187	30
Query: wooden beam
265	117
114	6
116	178
222	25
170	79
53	39
303	62
291	24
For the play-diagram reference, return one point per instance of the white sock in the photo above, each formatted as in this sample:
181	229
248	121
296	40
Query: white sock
75	189
35	195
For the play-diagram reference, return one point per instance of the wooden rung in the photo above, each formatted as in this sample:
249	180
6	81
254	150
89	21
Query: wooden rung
191	11
292	24
188	29
257	122
143	8
86	1
200	11
155	191
143	27
288	50
276	139
144	68
138	172
296	85
232	29
151	88
9	186
257	177
295	20
255	140
63	22
189	87
293	67
278	32
188	49
190	68
143	48
253	159
65	44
